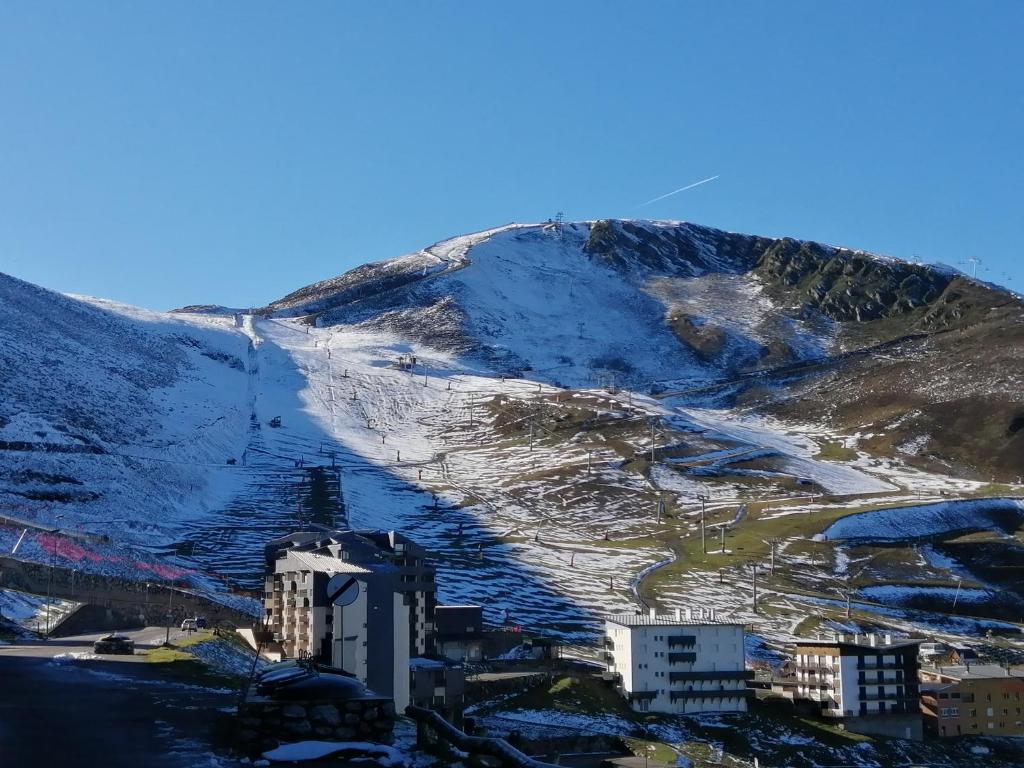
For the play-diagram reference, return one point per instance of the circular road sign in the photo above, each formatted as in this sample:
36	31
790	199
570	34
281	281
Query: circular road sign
342	589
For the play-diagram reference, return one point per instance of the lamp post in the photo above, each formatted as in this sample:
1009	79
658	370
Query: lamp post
170	599
49	581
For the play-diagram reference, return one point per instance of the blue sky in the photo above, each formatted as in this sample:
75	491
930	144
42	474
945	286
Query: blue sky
173	153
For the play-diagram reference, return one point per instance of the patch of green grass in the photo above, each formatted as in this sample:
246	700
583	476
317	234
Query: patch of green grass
656	751
182	665
832	450
997	489
582	695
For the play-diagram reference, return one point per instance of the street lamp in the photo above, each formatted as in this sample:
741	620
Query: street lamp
49	581
170	598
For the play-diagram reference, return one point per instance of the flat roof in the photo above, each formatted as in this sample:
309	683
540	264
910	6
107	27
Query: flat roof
646	620
973	671
862	643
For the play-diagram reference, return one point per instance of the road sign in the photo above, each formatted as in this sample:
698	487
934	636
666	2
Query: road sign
342	589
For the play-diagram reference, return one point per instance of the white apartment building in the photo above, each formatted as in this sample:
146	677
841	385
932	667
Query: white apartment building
683	663
867	682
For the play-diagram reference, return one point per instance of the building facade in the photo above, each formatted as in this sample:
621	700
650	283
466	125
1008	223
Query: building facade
687	662
868	683
459	632
396	585
368	638
416	577
975	699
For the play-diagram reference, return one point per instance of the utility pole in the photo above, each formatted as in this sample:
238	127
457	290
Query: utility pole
959	583
49	581
590	459
703	538
170	600
722	529
661	506
773	543
754	583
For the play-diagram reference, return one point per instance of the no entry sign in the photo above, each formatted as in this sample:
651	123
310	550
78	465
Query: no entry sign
342	589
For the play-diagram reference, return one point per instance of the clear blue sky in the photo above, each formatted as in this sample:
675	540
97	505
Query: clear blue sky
166	153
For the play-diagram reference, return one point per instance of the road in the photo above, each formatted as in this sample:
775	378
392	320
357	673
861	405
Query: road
109	710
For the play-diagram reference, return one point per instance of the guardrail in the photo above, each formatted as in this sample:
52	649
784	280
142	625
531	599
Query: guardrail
433	730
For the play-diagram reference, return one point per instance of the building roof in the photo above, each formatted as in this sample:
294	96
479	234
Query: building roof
666	620
973	671
324	564
876	643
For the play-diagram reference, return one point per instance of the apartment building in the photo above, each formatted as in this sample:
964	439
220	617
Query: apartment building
685	662
368	638
974	699
389	567
867	683
416	578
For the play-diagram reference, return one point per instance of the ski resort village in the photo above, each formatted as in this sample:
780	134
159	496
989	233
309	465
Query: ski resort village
607	493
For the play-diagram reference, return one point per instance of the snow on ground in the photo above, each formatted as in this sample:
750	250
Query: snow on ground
226	657
896	594
542	300
301	751
30	611
115	418
527	531
916	522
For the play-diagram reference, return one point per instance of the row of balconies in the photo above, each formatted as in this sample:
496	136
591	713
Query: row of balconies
682	641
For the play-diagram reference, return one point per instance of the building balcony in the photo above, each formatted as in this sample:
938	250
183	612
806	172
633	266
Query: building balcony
738	674
641	695
734	693
682	657
872	667
682	641
608	657
609	644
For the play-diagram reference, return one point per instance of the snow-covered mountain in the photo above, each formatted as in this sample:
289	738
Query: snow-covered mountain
534	403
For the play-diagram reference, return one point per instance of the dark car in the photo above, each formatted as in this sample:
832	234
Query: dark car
115	644
201	622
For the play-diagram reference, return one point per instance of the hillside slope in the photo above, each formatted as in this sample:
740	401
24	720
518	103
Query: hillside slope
921	358
106	408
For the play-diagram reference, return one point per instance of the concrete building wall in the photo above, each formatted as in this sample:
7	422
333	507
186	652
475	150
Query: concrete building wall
680	668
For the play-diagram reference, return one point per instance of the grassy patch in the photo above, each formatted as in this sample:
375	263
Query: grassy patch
655	750
588	696
177	662
832	450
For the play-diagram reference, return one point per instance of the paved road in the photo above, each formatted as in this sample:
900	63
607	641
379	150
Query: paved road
110	711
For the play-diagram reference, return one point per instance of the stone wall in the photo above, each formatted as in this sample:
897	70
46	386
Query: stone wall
264	723
136	603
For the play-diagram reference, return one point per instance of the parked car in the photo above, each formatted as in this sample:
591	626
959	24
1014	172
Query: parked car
189	625
201	622
115	644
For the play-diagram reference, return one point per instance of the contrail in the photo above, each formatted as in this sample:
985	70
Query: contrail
681	189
